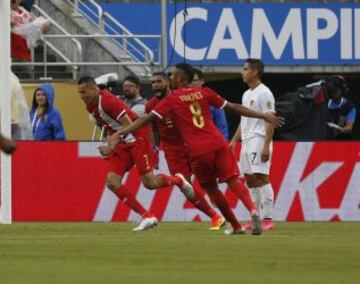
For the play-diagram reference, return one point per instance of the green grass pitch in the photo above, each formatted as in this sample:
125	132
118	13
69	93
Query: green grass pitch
312	252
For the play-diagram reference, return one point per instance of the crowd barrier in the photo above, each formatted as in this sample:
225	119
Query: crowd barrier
65	181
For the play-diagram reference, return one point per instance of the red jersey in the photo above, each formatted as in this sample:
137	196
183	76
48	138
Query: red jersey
190	110
109	109
169	134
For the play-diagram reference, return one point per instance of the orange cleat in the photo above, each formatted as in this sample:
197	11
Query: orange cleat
217	223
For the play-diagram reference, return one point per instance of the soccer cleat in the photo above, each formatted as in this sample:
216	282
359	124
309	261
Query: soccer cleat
257	229
248	226
231	231
186	188
217	223
267	225
146	224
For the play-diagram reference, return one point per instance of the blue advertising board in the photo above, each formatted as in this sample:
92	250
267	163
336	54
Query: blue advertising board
224	34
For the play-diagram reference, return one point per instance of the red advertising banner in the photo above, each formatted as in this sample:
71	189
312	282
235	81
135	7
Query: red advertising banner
65	181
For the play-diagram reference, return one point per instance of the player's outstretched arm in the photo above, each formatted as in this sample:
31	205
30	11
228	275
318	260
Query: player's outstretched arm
137	124
244	111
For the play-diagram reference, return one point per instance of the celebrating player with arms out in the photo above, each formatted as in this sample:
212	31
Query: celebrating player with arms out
211	157
256	136
165	132
126	151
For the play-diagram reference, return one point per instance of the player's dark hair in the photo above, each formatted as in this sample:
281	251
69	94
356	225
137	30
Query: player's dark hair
87	80
133	79
161	74
256	64
199	73
188	71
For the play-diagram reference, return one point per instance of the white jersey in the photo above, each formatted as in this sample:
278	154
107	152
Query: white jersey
262	100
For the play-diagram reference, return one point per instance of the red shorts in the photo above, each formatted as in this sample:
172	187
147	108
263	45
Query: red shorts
178	161
219	164
127	155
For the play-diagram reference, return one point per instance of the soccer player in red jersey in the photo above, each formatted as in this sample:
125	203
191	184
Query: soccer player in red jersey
165	133
211	156
199	82
7	145
126	151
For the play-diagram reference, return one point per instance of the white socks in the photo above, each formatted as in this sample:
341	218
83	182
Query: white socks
263	198
255	193
267	200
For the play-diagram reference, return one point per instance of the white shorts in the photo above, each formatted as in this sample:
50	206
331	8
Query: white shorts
250	157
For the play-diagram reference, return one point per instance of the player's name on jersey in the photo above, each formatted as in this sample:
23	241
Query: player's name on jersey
191	97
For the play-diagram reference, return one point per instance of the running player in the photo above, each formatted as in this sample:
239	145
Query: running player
127	151
211	156
256	135
164	132
218	115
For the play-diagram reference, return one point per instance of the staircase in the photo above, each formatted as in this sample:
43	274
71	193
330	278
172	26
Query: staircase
106	53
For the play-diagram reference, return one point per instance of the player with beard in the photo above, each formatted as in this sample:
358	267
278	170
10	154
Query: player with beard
165	133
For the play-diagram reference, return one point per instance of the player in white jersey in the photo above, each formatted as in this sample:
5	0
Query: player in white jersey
256	135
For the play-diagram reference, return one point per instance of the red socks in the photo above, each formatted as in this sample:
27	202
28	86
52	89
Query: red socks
219	199
243	193
129	199
170	180
200	203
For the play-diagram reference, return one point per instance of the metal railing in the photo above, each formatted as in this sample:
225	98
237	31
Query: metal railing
76	4
128	39
77	56
76	64
125	37
78	52
107	24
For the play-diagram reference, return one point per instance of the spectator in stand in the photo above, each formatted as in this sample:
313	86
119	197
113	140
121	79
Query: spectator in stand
342	112
26	29
218	115
45	119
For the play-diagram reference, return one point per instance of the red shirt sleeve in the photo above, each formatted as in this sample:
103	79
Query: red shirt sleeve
163	108
113	106
214	98
149	106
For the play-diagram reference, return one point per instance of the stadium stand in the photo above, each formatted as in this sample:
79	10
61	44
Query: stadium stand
61	50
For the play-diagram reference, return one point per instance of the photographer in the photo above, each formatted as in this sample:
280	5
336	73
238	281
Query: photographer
342	112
